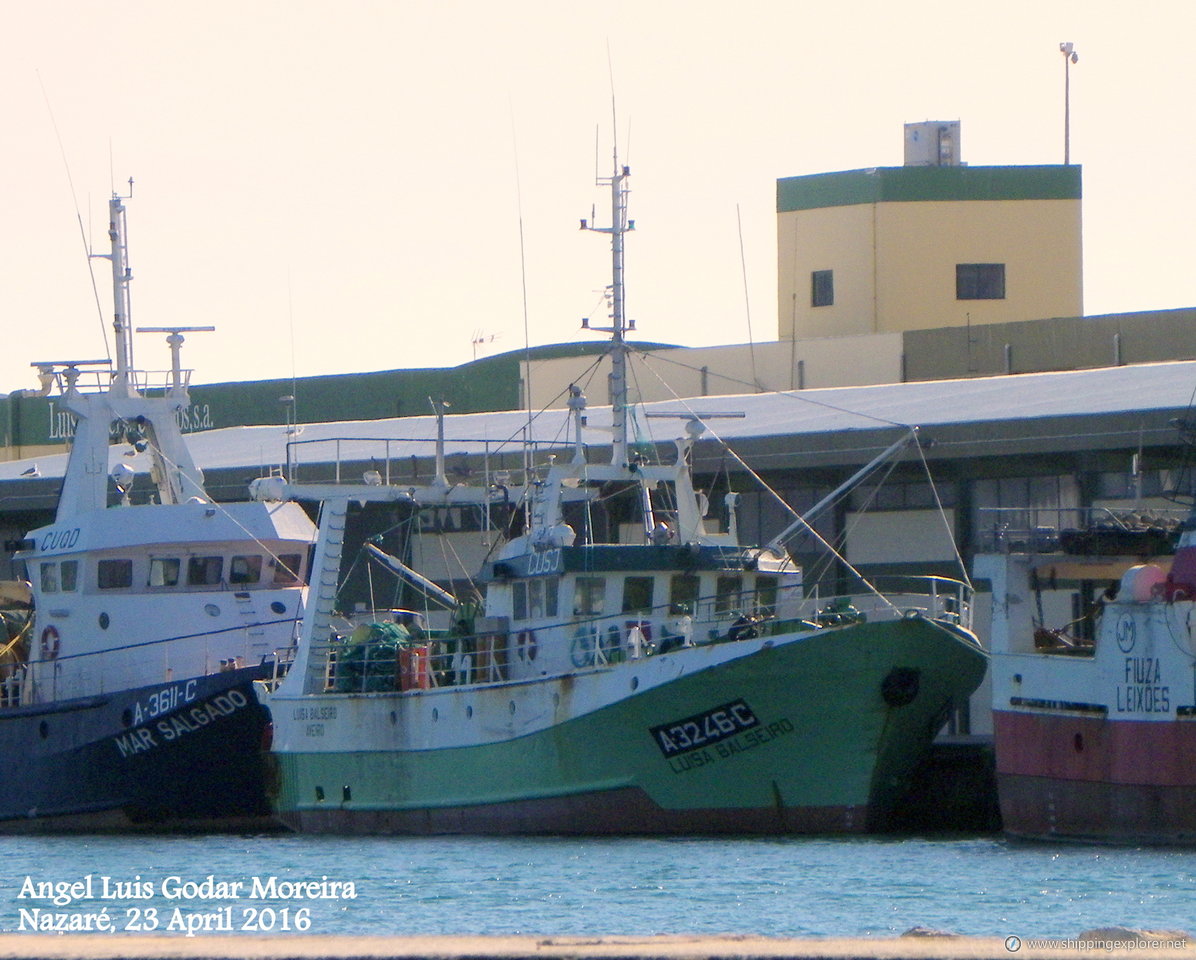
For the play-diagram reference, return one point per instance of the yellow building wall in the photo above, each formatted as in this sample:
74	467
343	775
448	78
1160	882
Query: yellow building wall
919	244
832	238
894	264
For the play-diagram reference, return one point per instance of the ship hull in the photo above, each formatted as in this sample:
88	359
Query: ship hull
812	733
1095	738
179	756
1068	777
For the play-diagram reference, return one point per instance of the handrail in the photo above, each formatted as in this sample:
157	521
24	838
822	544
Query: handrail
388	453
1041	529
440	658
36	688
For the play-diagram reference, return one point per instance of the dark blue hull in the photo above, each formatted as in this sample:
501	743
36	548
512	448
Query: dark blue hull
186	755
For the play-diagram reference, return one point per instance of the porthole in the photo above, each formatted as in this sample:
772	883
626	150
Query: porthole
104	621
127	717
278	607
394	718
635	683
512	706
469	711
44	729
435	714
211	609
1078	742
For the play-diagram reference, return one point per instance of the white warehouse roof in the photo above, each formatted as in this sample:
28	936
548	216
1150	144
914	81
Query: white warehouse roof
1114	391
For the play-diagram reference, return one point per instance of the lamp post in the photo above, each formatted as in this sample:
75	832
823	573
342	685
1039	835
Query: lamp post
1069	57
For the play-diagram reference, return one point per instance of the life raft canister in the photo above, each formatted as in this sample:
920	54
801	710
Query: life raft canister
50	643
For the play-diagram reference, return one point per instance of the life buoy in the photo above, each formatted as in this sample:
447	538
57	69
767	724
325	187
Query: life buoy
50	643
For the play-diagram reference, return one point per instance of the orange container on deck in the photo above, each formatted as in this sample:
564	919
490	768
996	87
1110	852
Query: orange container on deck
413	668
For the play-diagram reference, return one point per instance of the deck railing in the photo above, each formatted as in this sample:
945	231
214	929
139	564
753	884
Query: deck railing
388	660
406	461
1054	529
40	679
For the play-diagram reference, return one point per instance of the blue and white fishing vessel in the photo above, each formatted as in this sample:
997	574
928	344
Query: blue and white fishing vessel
126	697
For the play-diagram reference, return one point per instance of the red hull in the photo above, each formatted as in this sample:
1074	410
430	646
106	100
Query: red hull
1090	778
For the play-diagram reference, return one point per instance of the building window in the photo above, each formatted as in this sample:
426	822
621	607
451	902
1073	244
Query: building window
1127	486
896	495
822	288
980	281
1012	507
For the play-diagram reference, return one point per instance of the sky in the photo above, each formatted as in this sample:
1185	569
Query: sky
379	184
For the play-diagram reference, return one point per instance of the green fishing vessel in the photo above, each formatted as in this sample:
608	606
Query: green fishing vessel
632	668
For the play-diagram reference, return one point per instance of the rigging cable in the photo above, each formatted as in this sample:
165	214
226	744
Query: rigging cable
800	396
527	341
747	304
963	569
781	500
95	292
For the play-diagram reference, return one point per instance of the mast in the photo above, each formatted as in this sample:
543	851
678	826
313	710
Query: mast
149	419
620	225
618	358
121	277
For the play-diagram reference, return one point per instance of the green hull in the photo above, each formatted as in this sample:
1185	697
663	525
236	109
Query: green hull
817	733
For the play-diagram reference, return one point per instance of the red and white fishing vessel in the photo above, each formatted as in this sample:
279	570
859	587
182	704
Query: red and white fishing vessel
1094	682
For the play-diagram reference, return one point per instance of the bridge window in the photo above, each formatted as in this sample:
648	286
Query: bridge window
519	600
49	577
683	593
727	594
766	596
637	594
70	576
287	567
114	574
535	598
245	570
589	596
204	571
164	571
552	590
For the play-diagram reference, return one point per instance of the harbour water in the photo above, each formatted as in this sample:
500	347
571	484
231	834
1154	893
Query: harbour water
782	887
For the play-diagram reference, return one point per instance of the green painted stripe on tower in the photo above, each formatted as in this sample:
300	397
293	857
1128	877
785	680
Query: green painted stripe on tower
910	184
